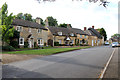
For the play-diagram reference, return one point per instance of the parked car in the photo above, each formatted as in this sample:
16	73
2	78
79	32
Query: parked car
115	44
106	43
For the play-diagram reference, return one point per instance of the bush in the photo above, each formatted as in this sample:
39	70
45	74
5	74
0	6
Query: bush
26	44
56	43
8	48
14	44
45	44
81	44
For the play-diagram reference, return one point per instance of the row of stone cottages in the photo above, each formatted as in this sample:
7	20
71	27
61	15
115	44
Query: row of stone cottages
34	32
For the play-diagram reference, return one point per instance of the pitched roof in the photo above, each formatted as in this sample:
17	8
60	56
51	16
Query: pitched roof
78	31
25	23
95	32
90	33
65	31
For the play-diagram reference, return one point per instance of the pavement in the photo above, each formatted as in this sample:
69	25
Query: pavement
112	69
84	63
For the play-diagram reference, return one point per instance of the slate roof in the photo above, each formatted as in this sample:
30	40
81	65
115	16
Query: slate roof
65	31
25	23
93	32
78	31
90	33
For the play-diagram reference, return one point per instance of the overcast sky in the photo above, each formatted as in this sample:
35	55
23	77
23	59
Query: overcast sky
79	14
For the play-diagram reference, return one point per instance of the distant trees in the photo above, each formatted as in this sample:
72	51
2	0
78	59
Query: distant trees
25	16
65	25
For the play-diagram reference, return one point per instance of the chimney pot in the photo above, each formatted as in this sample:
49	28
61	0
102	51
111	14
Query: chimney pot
85	28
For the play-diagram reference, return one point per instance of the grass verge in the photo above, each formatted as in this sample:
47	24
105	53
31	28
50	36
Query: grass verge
46	51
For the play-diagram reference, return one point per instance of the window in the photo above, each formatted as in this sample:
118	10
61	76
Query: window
85	36
80	41
80	36
39	30
60	41
21	41
72	34
95	41
29	29
59	33
19	28
40	42
72	41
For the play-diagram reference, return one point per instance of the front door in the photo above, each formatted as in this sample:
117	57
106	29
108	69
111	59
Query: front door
31	43
92	43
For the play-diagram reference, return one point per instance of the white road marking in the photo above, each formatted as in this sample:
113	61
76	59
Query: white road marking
105	68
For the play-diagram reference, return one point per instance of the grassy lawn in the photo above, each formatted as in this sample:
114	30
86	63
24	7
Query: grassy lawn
46	51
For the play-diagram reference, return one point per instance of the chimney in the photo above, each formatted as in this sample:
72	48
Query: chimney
85	28
38	20
93	27
46	22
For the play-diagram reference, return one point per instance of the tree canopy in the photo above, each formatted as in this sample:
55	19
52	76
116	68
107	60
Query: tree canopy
6	21
116	35
103	33
65	25
51	21
25	16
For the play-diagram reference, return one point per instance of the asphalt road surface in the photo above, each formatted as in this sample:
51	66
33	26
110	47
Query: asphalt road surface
84	63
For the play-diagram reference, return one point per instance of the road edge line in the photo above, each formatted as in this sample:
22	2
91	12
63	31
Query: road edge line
105	68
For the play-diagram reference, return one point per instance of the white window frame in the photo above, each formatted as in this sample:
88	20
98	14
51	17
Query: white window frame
72	41
72	34
60	41
80	36
95	41
39	30
19	28
60	33
85	36
41	41
29	29
20	41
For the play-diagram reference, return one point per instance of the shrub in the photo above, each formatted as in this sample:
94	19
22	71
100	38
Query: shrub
56	43
45	44
81	44
8	48
26	44
14	44
35	44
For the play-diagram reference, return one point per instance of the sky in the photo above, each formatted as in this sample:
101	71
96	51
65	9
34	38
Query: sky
79	14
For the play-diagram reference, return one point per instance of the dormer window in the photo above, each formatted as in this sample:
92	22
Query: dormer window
39	30
19	28
72	34
60	33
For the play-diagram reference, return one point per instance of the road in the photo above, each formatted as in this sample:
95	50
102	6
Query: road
84	63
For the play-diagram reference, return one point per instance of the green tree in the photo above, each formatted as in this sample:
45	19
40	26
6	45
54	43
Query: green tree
51	21
42	22
6	21
20	16
103	33
65	25
28	17
25	16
